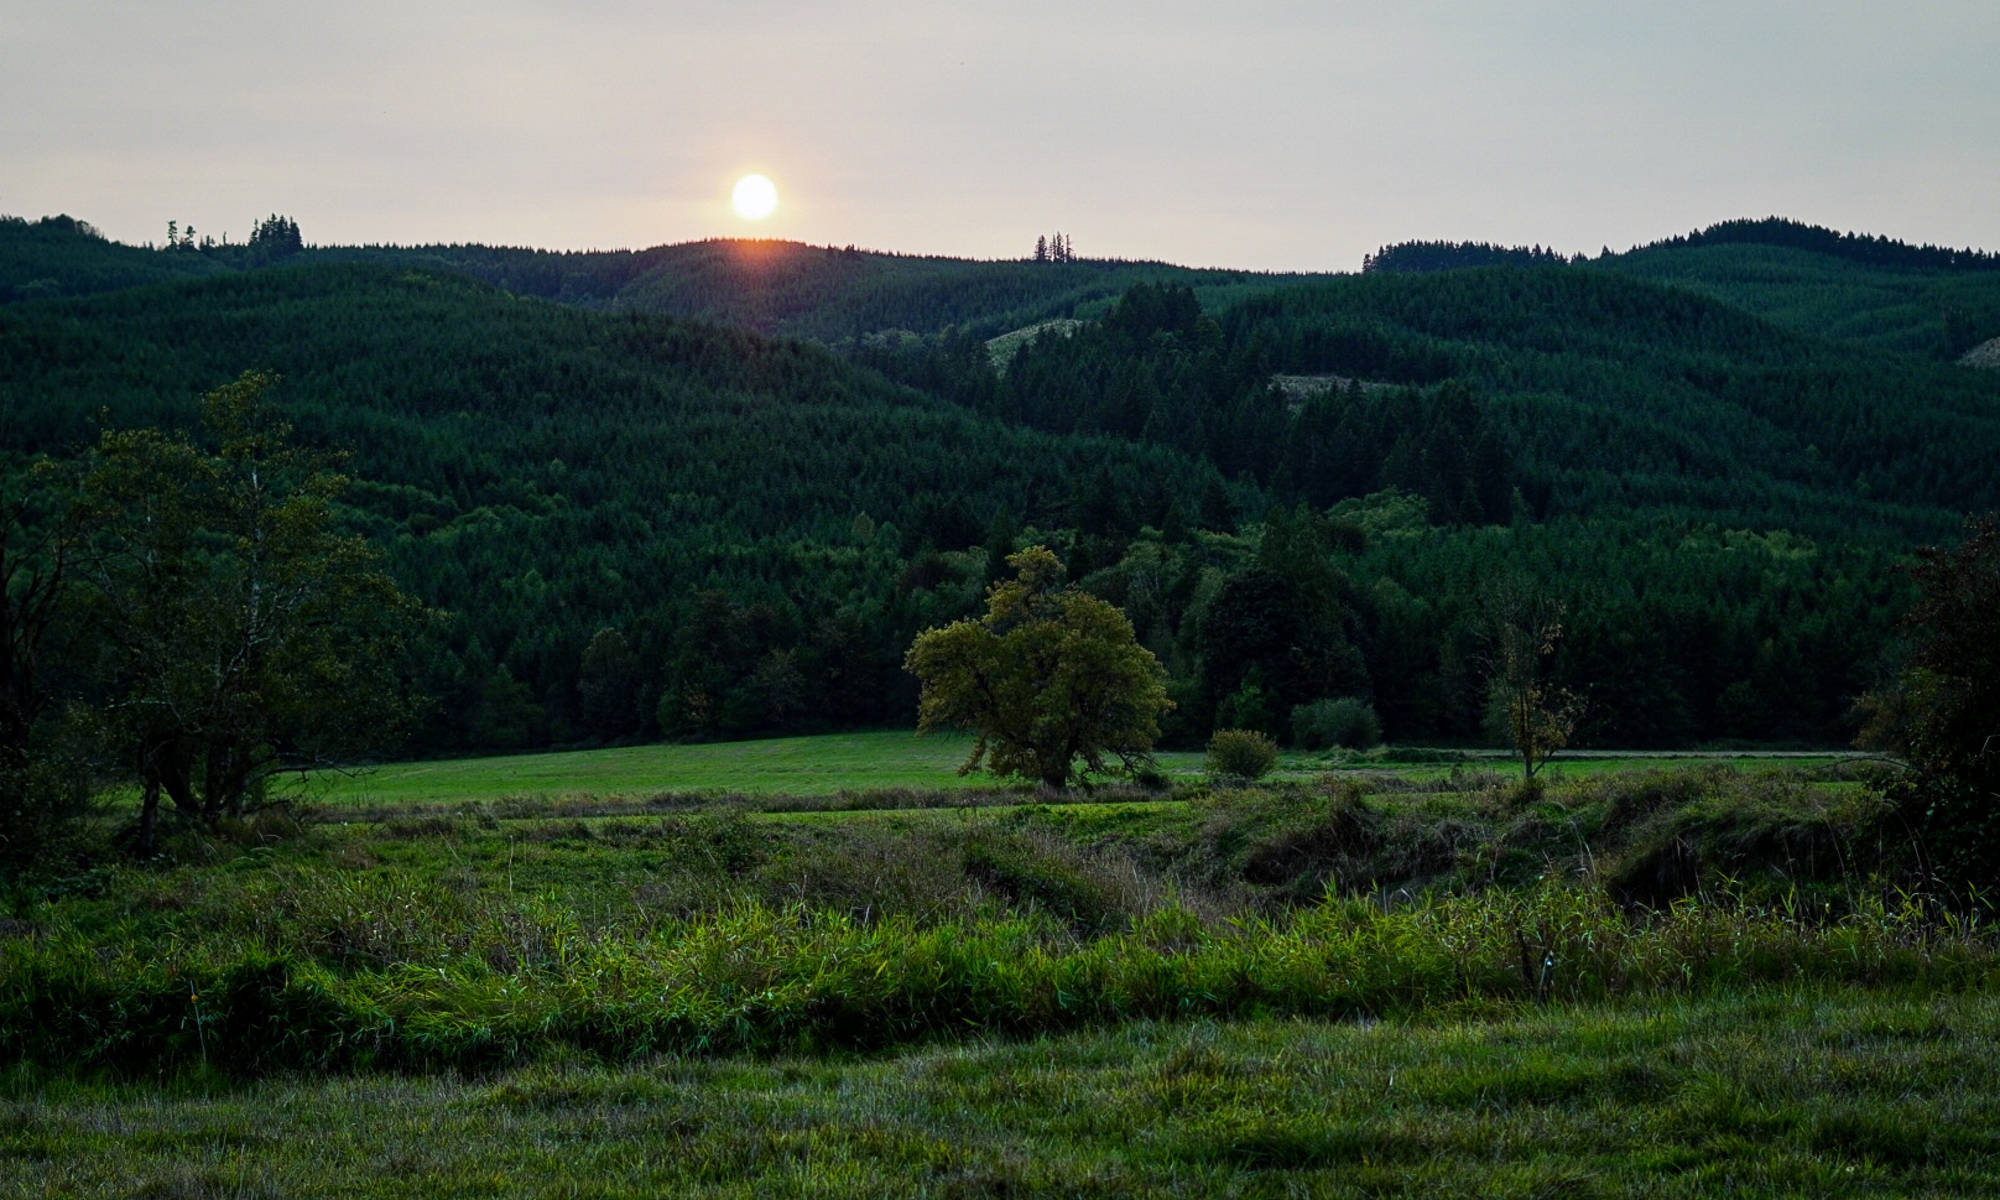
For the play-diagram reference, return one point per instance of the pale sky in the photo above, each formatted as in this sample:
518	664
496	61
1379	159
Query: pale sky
1277	134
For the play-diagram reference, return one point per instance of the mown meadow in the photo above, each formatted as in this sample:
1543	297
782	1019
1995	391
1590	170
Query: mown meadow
780	968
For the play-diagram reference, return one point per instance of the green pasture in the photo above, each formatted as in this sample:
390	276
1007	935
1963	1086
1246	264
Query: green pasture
809	766
1779	1093
854	762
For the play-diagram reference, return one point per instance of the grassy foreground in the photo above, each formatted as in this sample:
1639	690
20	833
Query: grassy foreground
1693	982
1771	1093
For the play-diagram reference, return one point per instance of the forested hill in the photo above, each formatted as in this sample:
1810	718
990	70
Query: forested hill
1584	392
773	287
831	295
1928	312
1620	394
1874	251
1931	301
1301	492
62	256
758	519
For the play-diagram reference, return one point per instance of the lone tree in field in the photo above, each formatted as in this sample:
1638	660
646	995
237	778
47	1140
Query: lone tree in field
1050	675
1524	705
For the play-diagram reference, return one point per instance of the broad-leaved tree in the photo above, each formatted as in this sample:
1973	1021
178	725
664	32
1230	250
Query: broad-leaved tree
1050	676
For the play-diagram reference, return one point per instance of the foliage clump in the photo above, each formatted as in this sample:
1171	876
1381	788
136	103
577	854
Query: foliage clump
196	617
1049	676
1241	754
1943	715
244	631
1347	721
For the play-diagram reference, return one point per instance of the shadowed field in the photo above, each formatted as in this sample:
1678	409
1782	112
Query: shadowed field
1770	1093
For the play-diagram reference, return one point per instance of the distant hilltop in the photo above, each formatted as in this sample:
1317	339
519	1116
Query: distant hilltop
1872	250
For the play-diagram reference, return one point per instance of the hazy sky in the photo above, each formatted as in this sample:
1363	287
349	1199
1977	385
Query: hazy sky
1255	133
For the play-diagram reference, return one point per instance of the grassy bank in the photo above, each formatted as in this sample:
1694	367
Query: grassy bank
511	983
1424	981
468	941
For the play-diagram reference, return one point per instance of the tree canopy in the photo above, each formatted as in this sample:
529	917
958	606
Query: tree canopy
1944	714
241	631
1048	676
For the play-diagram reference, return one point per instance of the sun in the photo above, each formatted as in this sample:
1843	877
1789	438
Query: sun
755	197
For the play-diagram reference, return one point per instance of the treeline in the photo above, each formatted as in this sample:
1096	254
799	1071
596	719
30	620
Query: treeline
1410	258
1672	632
1872	250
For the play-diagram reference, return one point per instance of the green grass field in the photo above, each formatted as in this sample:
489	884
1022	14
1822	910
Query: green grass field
827	765
810	766
1773	1093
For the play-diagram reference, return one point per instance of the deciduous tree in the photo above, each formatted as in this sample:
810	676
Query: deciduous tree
1525	705
1049	676
244	632
1943	716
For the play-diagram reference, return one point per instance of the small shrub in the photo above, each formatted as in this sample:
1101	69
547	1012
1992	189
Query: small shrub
46	803
1241	754
1348	721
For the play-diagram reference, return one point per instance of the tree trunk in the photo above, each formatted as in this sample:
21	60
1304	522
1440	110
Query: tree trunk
172	768
149	815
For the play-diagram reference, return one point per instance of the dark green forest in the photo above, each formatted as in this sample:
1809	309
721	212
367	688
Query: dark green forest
649	507
823	293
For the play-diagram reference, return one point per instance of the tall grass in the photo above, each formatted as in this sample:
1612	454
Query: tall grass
469	941
1783	1092
382	975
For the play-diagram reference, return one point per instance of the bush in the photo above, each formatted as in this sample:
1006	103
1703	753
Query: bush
46	800
1241	754
1348	721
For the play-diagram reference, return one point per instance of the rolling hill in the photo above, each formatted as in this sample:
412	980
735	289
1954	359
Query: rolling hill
772	287
572	451
547	472
1925	301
